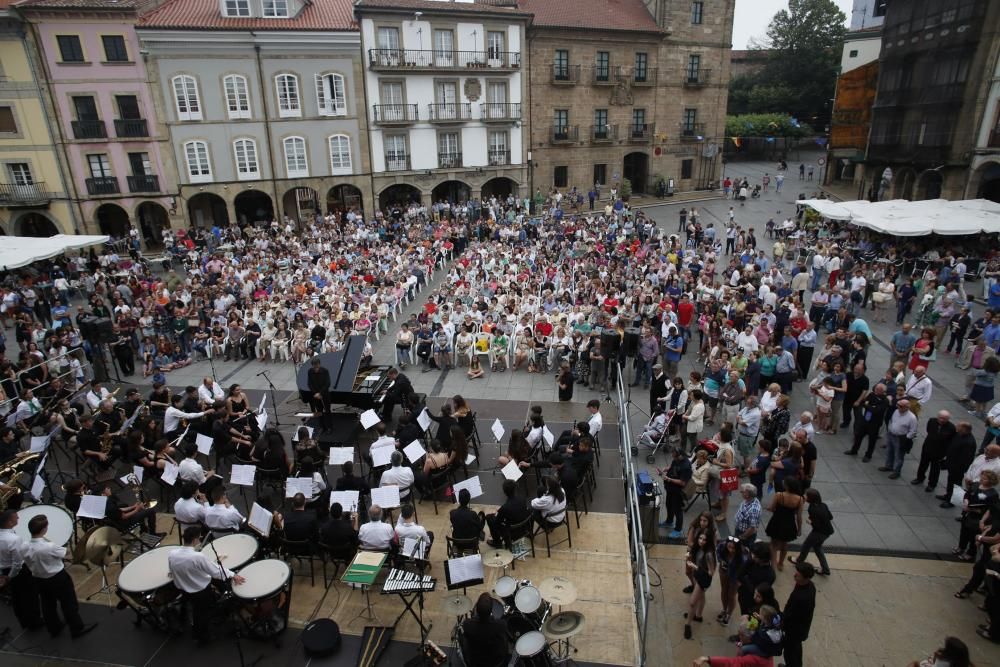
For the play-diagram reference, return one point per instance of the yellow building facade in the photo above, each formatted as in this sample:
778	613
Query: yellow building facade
33	197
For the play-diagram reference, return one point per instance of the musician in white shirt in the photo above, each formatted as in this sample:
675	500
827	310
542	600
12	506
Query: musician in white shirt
45	561
13	573
97	394
596	422
222	516
383	440
550	505
376	534
173	416
407	526
398	475
189	509
209	392
192	570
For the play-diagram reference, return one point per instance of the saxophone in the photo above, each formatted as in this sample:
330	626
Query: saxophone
140	494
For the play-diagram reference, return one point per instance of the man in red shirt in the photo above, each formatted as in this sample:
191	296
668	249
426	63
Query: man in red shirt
543	326
430	307
685	314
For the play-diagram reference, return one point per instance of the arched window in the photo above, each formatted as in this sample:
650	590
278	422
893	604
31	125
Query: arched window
340	154
237	96
287	87
331	94
198	165
247	167
296	163
186	97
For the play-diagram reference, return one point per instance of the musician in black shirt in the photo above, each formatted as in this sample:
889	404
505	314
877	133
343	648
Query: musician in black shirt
133	401
88	441
513	511
319	388
398	393
466	524
341	530
408	430
348	481
484	640
300	523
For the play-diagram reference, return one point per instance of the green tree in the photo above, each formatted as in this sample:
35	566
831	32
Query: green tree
765	125
800	76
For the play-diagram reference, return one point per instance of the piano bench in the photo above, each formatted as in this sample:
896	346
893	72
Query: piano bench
419	401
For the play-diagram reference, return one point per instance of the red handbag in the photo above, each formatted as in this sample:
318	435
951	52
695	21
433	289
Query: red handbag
729	479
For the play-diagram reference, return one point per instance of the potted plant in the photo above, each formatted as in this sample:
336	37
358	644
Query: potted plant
625	192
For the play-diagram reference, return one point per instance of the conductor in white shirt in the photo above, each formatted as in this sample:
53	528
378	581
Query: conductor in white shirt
55	587
173	416
193	571
209	392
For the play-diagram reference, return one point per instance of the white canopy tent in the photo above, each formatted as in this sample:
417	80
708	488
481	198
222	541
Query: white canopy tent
900	217
18	251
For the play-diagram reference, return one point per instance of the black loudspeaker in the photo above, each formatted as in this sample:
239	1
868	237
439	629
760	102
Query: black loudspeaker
609	343
321	638
97	329
632	341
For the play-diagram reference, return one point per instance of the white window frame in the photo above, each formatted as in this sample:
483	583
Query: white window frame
286	88
338	164
241	8
331	94
250	158
187	101
237	91
274	6
202	164
296	171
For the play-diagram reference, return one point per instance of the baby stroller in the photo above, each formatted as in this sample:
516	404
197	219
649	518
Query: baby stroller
755	193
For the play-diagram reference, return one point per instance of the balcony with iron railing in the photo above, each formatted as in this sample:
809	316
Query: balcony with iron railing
395	60
696	78
449	112
564	134
692	131
565	75
397	161
605	76
396	114
103	185
89	129
143	183
603	133
28	194
498	158
132	127
449	160
640	132
645	76
500	112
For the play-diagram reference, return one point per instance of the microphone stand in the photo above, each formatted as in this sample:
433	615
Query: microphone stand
236	621
421	567
274	406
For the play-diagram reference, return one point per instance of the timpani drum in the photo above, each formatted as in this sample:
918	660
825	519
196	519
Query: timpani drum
61	527
234	550
146	586
532	650
264	597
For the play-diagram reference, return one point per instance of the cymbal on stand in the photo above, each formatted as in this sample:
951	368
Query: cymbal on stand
497	558
557	590
456	604
564	625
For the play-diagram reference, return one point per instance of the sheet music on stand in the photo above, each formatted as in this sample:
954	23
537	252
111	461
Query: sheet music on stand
415	548
547	436
414	451
348	500
262	420
473	485
39	443
169	475
369	418
512	471
341	455
424	419
131	420
260	520
204	443
11	419
303	485
38	483
385	497
498	430
242	475
263	400
93	507
137	471
464	572
381	456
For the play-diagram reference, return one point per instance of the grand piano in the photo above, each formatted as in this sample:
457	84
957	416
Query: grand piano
349	385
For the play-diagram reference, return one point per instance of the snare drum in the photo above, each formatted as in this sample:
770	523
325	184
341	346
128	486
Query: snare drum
504	589
145	584
234	550
264	597
530	606
532	650
61	527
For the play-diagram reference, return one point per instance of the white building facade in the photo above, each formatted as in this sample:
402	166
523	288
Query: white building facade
446	89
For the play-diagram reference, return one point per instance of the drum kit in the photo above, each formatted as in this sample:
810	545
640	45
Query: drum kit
540	638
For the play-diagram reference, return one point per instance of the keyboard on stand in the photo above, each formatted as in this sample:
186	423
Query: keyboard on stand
401	581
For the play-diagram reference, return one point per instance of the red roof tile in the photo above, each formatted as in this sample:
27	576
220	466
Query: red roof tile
328	15
591	14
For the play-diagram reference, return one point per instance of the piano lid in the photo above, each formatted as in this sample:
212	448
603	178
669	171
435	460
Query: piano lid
343	366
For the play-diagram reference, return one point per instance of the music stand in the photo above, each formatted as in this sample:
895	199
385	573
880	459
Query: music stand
363	570
460	584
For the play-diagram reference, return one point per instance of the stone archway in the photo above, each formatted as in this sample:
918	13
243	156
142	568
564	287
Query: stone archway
253	206
903	183
153	219
929	185
451	191
113	220
300	204
344	197
400	193
985	182
206	209
635	167
499	187
35	224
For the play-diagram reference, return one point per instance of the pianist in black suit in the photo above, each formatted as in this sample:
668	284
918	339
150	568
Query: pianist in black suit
484	640
513	511
300	523
319	389
398	393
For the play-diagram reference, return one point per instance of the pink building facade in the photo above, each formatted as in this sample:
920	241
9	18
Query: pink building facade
116	149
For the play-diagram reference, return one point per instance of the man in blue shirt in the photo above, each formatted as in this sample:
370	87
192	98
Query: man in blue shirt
901	344
991	334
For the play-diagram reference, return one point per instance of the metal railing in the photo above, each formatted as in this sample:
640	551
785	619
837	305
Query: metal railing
431	59
605	76
397	162
502	112
640	132
564	133
449	160
691	131
144	183
395	114
103	185
498	158
77	353
28	194
637	548
643	76
565	74
89	129
695	78
449	112
131	127
601	133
